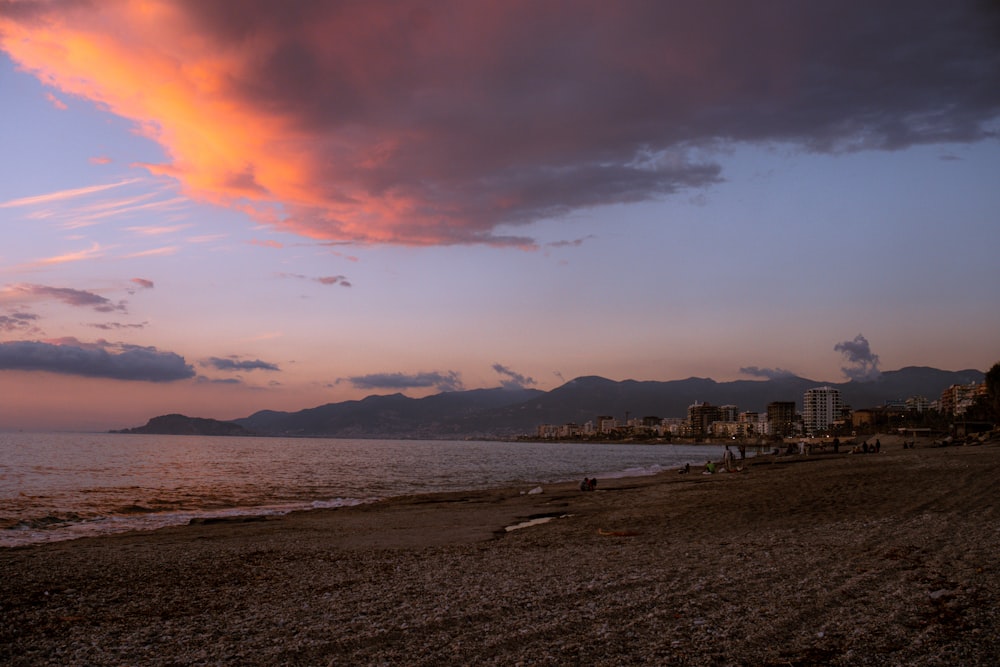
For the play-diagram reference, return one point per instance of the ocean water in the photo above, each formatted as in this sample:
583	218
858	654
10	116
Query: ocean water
68	485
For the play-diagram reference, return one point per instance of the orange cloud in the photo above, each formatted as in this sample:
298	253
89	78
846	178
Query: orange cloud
394	122
267	243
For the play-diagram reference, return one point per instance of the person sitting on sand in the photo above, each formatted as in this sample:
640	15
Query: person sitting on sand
585	484
593	483
685	470
709	468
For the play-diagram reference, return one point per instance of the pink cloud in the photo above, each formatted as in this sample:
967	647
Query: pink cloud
455	122
56	102
61	195
80	255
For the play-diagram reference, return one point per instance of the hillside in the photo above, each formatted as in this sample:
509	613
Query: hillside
485	413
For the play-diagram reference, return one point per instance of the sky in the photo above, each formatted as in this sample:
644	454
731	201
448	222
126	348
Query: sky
215	208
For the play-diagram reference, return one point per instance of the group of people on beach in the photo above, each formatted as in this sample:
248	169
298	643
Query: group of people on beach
865	448
588	484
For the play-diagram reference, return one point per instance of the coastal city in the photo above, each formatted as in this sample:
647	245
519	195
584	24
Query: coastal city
823	413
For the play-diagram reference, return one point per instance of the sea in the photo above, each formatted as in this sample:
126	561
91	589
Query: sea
61	486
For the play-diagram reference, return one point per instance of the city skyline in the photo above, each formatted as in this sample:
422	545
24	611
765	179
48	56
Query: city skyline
211	211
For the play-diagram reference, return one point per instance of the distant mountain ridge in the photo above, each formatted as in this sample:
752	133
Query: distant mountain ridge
485	413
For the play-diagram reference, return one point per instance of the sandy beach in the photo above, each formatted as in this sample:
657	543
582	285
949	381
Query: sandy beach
877	559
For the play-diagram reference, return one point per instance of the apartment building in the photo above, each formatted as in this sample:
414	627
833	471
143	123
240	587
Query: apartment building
821	406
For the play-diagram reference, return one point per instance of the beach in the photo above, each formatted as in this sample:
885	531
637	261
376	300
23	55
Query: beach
850	559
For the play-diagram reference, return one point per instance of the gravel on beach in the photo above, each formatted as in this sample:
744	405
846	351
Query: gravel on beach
877	559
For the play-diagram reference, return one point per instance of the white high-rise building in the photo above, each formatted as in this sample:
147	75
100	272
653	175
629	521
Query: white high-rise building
820	407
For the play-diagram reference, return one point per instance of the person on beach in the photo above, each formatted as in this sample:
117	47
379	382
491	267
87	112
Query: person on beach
685	470
709	468
585	484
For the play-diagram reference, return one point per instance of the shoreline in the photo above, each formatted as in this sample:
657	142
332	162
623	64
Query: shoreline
889	558
75	519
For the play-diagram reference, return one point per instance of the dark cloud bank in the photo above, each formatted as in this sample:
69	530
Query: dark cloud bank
234	364
558	106
443	381
123	362
453	121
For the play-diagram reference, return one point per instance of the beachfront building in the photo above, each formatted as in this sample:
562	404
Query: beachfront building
751	425
606	424
821	406
546	431
701	416
781	418
724	429
673	426
958	398
886	416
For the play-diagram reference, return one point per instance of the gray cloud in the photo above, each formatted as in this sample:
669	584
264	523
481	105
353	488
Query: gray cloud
236	364
446	381
143	283
201	379
322	280
864	364
115	326
575	243
334	280
71	297
409	131
17	321
596	105
512	380
119	362
769	373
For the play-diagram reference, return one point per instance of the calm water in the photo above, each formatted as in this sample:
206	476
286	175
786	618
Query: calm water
62	486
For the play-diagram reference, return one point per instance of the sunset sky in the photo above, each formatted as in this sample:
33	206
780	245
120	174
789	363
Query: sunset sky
219	207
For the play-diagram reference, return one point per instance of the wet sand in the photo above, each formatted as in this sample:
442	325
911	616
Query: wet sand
880	559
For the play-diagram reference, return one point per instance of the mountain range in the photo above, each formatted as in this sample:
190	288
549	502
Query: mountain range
504	412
